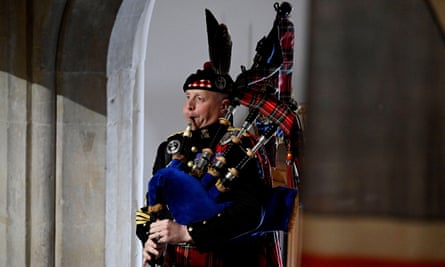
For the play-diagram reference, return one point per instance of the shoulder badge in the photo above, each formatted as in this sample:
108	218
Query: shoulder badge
173	146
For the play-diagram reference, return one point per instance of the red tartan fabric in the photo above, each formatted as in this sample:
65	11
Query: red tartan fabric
287	47
268	255
189	256
271	108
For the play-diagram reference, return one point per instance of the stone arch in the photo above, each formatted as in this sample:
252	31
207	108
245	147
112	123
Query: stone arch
125	114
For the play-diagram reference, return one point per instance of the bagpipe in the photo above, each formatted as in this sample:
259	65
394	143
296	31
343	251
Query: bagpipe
190	190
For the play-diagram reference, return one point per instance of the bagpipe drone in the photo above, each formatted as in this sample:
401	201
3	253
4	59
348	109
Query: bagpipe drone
170	189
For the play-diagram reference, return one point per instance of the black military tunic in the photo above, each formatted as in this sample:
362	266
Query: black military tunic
225	239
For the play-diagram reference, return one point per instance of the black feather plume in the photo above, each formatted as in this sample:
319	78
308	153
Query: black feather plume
220	44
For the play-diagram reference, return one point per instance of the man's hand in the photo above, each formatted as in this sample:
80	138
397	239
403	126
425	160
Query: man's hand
168	231
161	233
152	250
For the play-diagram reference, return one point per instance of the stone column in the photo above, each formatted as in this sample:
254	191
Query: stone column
27	141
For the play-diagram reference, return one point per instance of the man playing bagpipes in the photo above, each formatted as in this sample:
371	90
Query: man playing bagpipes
209	201
213	241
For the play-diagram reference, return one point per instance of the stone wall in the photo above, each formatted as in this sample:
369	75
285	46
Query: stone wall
53	131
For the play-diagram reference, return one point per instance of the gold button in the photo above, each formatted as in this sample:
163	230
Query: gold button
204	222
190	229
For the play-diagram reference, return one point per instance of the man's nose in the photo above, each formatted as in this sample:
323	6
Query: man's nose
189	104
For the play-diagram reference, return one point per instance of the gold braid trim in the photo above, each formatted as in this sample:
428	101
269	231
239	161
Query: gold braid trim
142	217
176	133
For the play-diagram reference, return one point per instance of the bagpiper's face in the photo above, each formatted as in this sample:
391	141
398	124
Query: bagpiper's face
205	107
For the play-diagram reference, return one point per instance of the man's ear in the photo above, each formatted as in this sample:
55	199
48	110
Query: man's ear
225	105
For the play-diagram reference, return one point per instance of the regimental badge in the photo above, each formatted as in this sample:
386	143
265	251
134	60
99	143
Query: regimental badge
220	83
205	133
173	146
